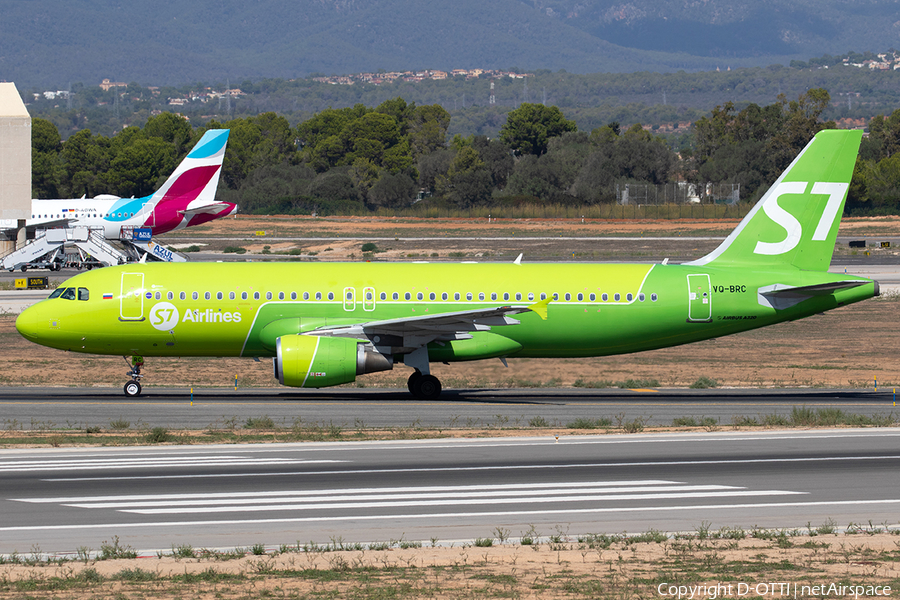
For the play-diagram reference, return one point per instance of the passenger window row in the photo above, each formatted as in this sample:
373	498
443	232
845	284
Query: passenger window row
432	296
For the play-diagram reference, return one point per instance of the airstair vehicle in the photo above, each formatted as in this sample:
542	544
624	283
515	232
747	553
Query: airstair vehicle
81	247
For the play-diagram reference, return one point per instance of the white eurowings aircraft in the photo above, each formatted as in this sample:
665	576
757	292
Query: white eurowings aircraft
186	198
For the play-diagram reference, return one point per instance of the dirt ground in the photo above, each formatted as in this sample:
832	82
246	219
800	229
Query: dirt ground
563	567
499	239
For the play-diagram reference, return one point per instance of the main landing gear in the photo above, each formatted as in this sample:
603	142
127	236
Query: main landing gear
133	387
424	387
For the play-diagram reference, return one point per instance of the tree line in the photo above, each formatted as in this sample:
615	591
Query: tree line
360	159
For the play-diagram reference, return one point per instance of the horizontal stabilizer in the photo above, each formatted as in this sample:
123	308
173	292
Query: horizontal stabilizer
205	209
781	296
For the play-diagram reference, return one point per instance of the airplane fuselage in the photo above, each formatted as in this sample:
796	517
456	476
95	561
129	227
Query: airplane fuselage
226	309
110	214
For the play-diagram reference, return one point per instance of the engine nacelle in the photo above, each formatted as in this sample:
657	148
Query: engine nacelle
313	361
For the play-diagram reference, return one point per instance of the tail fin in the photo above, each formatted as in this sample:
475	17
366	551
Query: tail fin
197	177
795	223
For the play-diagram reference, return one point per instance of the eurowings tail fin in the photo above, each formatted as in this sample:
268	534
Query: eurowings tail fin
197	177
796	222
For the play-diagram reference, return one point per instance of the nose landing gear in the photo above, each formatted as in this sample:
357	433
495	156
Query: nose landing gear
133	387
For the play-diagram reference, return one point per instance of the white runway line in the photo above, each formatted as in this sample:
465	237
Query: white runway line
404	497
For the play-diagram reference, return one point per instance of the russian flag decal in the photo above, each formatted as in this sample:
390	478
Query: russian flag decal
107	296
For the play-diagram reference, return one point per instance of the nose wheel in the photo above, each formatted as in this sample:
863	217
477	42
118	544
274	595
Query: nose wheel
133	387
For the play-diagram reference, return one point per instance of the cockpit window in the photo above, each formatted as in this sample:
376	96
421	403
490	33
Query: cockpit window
68	294
83	294
57	292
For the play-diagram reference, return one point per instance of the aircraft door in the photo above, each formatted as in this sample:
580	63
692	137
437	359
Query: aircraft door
131	297
369	298
699	299
349	299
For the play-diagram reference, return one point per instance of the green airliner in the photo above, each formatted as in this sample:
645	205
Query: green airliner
325	324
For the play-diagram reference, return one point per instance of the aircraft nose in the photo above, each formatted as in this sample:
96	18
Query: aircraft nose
27	324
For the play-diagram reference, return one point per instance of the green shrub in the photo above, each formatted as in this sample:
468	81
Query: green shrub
158	435
234	250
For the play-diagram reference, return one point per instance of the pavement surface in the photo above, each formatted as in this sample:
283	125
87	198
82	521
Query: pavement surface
446	491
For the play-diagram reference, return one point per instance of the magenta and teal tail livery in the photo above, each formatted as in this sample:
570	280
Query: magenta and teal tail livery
327	324
188	197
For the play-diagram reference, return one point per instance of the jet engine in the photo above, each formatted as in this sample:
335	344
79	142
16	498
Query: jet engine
316	361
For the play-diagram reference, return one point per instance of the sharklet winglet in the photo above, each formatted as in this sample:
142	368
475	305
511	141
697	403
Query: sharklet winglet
540	308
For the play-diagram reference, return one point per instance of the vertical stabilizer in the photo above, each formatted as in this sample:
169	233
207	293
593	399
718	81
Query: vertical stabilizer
796	222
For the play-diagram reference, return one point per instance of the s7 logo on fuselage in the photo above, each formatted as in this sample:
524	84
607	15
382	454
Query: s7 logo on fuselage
164	316
835	192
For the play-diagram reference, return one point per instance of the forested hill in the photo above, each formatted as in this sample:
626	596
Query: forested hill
53	42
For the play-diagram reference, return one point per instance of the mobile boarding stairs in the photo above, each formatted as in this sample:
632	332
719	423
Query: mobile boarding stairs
82	247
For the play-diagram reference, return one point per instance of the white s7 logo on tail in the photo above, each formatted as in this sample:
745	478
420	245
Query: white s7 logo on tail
835	192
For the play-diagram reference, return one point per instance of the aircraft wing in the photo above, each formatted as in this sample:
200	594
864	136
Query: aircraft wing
412	332
780	296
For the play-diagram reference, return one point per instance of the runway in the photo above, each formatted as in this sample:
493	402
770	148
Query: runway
444	491
354	409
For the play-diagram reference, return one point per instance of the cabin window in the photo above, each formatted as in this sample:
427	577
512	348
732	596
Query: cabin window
383	295
281	295
531	295
568	296
159	295
555	296
243	295
456	296
432	296
420	296
318	295
368	295
444	296
395	296
617	296
506	295
83	294
593	296
543	296
629	296
641	297
170	295
182	295
331	295
219	295
580	296
481	296
407	296
256	295
468	295
231	295
604	297
293	295
306	295
207	295
653	297
493	295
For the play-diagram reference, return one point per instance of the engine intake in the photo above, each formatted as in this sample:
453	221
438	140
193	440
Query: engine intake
313	362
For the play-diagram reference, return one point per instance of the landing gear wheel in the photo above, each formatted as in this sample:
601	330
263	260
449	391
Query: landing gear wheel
426	387
132	389
411	382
